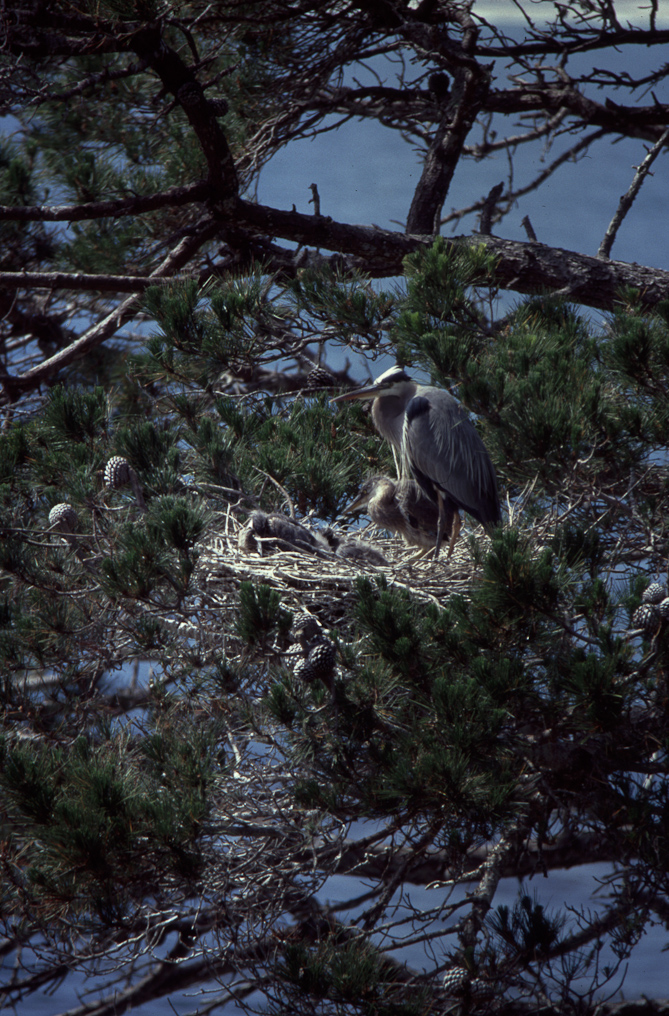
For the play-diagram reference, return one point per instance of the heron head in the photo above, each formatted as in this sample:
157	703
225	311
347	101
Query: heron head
395	381
370	488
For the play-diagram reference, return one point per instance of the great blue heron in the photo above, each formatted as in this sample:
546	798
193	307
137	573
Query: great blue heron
438	445
400	506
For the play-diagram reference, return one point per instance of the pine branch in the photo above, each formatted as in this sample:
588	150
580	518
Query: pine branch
174	197
15	385
627	200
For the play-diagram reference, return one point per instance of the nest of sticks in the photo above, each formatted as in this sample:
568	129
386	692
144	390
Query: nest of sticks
314	582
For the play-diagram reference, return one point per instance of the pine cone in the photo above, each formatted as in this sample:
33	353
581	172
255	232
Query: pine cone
458	981
319	664
654	594
647	617
63	518
117	472
305	628
663	609
293	656
439	84
455	981
318	378
218	106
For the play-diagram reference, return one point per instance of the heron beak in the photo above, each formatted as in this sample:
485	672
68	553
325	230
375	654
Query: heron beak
356	506
368	392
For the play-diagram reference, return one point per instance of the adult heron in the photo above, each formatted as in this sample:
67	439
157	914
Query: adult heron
438	445
400	506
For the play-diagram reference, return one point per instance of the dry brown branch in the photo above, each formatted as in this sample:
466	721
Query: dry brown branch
15	385
627	200
139	205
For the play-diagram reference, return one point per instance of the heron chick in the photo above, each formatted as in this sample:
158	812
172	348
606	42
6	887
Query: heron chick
276	532
401	507
438	446
353	550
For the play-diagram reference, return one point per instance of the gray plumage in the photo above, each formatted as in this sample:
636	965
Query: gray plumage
276	532
438	446
351	549
400	506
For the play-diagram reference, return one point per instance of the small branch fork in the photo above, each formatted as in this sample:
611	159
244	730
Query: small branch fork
104	329
627	199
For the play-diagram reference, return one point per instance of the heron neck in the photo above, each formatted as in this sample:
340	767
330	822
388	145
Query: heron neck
388	417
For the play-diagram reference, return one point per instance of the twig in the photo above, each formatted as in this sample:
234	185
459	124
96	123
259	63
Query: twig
489	207
627	199
282	490
315	199
136	205
96	335
531	235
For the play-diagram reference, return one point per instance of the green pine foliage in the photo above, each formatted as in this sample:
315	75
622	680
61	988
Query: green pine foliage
459	719
260	613
101	814
345	973
283	781
527	929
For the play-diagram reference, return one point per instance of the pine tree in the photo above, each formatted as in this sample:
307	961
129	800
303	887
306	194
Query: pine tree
209	711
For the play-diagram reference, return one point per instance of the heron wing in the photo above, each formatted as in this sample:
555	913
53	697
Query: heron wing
444	452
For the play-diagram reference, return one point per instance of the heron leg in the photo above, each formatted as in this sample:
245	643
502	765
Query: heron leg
456	525
441	523
448	522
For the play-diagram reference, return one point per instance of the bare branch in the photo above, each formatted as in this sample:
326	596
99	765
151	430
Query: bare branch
174	197
80	281
627	200
109	325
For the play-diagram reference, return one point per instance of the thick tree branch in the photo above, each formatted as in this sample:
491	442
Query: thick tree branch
172	198
180	80
528	268
570	849
523	267
461	106
78	281
401	107
581	44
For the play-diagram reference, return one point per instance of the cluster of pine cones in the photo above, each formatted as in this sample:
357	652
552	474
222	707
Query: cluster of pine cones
654	609
313	656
